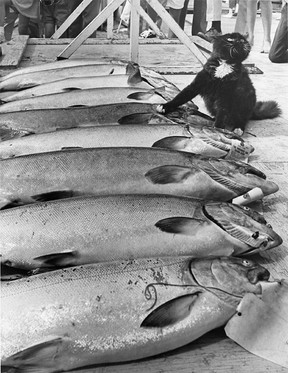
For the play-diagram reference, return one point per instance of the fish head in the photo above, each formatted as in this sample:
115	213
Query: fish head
245	225
231	275
238	176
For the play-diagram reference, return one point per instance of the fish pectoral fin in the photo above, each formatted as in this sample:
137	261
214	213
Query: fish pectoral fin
136	118
180	225
39	358
169	174
64	259
141	95
171	312
173	142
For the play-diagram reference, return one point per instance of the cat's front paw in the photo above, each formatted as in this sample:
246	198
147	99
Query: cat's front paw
160	109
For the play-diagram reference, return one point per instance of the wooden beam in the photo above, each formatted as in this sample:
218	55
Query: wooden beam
68	22
181	35
93	25
13	52
110	23
134	31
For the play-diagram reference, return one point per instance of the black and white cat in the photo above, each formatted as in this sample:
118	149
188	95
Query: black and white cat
225	86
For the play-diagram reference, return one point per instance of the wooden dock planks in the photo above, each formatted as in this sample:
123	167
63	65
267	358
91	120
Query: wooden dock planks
13	52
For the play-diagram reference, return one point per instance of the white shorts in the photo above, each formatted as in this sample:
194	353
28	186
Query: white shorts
175	4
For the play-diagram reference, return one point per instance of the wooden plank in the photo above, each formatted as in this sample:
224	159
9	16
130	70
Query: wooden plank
203	44
102	16
13	52
68	22
181	35
110	23
134	31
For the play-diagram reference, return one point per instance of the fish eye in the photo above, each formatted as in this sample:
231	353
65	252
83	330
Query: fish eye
247	263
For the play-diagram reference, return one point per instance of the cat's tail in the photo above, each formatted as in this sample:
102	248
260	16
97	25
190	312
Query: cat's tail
266	110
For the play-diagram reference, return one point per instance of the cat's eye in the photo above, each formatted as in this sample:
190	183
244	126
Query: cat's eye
229	39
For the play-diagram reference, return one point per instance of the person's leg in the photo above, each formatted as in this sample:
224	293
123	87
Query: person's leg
11	16
266	15
175	14
199	23
77	25
251	19
183	14
241	20
48	20
61	13
213	15
90	13
279	49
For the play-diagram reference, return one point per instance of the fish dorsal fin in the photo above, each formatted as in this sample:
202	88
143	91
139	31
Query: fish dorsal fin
71	147
70	89
171	312
78	106
39	358
63	259
169	174
181	225
136	118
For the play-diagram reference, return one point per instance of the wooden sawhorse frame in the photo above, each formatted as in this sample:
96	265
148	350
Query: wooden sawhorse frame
136	11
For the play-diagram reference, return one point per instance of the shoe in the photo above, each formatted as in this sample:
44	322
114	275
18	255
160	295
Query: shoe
209	35
148	34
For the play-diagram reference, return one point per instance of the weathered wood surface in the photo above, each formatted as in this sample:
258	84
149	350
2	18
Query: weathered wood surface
214	352
13	52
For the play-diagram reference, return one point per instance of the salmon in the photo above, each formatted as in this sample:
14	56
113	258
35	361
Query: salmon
119	311
36	75
125	170
84	230
84	98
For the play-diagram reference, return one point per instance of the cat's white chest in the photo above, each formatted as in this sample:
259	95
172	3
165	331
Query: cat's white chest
223	69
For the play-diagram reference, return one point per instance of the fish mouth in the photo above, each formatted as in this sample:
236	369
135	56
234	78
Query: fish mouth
258	274
243	224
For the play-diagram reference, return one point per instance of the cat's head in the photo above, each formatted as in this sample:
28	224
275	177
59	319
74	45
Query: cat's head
231	47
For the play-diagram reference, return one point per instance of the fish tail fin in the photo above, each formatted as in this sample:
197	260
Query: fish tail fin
266	110
36	359
135	77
